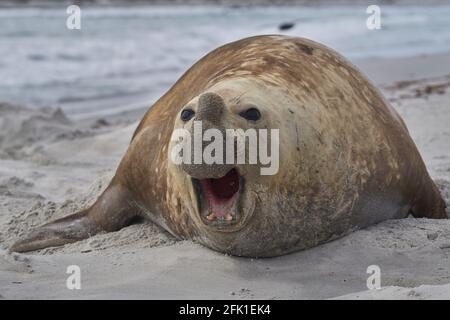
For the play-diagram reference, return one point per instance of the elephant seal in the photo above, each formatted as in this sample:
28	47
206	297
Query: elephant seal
346	159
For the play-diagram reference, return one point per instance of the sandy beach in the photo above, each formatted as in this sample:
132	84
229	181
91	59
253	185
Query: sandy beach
52	165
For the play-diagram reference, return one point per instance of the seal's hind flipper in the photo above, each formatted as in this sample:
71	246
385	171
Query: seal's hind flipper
112	211
429	203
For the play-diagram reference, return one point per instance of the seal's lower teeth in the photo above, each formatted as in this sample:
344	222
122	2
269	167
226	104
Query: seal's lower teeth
213	217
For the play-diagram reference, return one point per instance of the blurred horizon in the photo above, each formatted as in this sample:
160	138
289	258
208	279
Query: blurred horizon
234	3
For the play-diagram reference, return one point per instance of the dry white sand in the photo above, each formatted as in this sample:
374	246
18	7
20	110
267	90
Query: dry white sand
51	166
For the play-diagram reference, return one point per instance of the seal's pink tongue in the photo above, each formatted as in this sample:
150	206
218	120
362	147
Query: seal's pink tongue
221	192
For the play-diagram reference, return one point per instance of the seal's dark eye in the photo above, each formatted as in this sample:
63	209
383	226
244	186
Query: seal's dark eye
187	114
251	114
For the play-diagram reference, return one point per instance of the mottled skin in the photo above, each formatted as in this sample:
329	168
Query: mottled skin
347	160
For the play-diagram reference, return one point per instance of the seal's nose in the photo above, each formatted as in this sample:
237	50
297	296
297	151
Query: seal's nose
210	108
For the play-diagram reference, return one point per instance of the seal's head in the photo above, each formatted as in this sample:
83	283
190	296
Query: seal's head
230	155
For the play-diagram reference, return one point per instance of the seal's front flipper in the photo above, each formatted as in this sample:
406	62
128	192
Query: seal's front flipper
57	233
112	211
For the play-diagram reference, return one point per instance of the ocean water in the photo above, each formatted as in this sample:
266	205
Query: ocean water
126	57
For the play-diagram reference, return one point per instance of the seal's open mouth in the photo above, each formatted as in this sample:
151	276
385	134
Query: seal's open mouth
218	198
